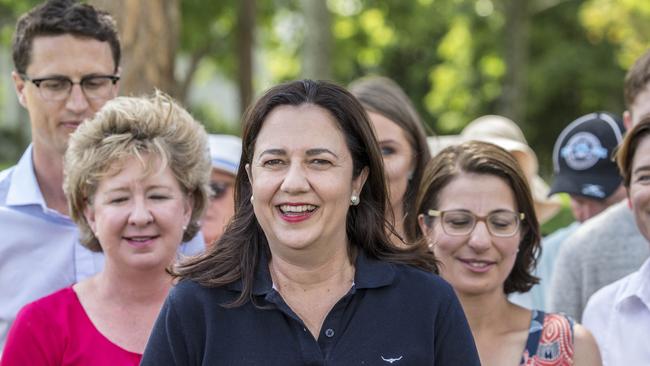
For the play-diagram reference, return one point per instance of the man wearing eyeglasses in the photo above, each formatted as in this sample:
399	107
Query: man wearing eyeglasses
66	57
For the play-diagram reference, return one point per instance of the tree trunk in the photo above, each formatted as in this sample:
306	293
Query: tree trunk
317	47
149	32
513	100
245	43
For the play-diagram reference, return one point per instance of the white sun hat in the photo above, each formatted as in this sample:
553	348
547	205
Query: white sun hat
225	151
506	134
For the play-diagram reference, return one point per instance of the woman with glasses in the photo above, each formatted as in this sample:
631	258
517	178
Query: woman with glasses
476	214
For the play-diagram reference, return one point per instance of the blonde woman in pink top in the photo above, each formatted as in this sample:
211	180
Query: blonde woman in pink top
136	179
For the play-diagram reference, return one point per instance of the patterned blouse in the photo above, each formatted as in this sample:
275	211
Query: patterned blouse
550	341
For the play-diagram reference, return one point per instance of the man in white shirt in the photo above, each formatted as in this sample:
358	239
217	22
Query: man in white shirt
618	315
608	246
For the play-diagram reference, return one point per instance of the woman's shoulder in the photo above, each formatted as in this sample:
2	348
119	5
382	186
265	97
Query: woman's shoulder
562	334
191	292
42	328
48	307
420	281
187	289
550	338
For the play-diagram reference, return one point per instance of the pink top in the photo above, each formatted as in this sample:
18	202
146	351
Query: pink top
55	330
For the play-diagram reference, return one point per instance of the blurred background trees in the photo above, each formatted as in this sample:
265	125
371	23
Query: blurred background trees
540	62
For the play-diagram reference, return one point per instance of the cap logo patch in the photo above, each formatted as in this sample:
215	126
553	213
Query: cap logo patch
593	190
582	151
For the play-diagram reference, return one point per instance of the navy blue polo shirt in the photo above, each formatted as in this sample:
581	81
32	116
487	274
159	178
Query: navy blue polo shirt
393	315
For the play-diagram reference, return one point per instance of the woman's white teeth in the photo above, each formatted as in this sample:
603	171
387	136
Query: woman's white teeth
297	209
141	238
478	264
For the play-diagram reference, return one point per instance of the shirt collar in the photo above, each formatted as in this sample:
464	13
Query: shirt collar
369	273
24	189
636	287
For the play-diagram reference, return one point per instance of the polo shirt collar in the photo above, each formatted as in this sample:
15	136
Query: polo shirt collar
372	273
369	273
637	287
24	189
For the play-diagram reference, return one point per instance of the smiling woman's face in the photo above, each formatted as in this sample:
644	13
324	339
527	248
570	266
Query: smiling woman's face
478	262
301	176
139	218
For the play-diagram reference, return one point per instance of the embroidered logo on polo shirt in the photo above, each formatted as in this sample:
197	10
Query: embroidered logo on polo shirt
582	151
391	360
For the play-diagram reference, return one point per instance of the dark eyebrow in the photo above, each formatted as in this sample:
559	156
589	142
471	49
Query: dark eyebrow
65	77
641	169
273	152
312	152
388	140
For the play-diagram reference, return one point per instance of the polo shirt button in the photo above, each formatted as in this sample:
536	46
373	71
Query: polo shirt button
329	332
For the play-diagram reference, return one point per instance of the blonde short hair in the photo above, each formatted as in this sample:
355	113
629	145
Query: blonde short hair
131	127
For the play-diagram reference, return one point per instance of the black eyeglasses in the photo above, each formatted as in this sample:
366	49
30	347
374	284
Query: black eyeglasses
462	222
218	189
58	88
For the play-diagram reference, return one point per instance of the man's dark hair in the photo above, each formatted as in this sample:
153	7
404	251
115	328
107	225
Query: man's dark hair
637	79
59	17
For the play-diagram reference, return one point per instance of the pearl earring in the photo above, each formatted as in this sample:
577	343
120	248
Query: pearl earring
354	200
252	198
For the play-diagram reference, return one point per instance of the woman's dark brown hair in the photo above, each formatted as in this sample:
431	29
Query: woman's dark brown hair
485	158
383	96
625	154
235	256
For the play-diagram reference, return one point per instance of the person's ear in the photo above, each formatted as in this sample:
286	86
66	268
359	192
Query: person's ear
422	224
627	120
629	202
89	214
188	204
19	87
359	182
249	173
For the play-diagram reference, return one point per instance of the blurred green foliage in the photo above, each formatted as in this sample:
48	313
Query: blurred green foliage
448	55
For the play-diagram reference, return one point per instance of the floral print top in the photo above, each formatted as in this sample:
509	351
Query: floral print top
550	341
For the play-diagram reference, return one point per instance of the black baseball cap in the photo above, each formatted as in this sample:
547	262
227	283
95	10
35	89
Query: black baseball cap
583	162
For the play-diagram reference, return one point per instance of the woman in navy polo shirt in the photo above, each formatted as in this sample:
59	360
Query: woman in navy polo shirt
305	273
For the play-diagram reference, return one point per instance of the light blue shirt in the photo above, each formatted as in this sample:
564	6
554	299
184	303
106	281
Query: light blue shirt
537	297
40	250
